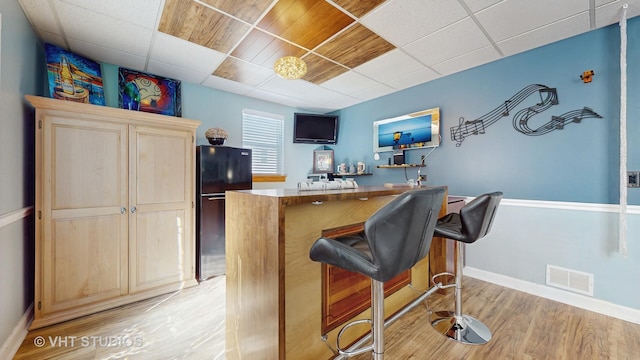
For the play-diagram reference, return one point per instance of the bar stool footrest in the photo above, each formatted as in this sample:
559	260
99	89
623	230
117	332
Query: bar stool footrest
357	351
439	284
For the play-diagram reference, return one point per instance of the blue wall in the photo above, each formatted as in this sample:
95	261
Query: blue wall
578	164
22	59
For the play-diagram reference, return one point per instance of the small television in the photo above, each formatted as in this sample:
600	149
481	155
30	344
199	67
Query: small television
315	128
416	130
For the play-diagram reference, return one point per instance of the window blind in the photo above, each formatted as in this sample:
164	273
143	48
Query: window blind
263	133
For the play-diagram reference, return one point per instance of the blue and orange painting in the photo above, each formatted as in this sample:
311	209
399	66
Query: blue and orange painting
73	77
145	92
405	132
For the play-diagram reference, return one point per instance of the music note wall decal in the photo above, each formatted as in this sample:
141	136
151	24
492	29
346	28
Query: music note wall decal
548	98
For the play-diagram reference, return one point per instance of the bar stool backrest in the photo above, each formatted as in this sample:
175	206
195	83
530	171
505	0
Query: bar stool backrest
477	216
400	233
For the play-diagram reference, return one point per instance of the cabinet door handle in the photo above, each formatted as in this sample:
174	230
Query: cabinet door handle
133	209
316	202
123	210
363	198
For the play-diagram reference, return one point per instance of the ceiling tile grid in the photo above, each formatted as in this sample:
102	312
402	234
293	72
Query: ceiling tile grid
355	50
565	28
404	21
514	17
454	40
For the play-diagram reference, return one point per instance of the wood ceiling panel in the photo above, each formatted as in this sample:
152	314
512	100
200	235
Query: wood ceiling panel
358	7
247	10
264	49
320	69
241	71
355	46
199	24
305	22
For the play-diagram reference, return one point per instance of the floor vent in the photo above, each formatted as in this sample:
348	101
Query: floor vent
572	280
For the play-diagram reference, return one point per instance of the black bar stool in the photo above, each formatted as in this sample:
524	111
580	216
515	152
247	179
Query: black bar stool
395	238
473	223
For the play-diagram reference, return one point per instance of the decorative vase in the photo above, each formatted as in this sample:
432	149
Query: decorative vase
216	141
216	136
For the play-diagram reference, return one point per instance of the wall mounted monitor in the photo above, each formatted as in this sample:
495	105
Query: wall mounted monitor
315	128
411	131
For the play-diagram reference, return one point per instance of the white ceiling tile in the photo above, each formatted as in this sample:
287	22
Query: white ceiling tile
545	35
281	86
341	103
603	2
52	38
611	13
41	15
277	98
373	92
144	13
175	72
92	27
114	57
403	21
227	85
389	66
172	50
477	5
349	83
452	41
318	95
419	77
472	59
514	17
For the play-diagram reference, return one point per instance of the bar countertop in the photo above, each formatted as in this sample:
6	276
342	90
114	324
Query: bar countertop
295	196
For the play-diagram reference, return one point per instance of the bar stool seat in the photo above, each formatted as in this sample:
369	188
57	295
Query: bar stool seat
472	223
395	238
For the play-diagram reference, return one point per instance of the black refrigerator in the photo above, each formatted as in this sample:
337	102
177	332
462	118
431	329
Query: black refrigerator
219	168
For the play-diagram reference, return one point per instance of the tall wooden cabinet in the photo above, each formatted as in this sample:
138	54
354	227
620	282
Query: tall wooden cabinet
114	207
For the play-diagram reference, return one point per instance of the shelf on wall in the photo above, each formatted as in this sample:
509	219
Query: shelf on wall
352	174
400	166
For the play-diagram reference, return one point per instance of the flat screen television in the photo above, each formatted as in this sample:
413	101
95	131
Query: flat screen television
416	130
315	128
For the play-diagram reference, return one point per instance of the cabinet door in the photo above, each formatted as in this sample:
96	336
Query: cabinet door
83	249
161	193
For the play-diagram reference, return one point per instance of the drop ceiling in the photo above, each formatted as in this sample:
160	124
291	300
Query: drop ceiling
355	50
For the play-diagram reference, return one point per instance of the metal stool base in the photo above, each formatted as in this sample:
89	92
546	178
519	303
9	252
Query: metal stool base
467	330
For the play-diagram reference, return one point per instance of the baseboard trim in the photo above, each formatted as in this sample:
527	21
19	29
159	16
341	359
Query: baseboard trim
577	300
15	339
14	216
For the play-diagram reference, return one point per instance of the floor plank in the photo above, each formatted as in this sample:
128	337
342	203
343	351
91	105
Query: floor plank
189	324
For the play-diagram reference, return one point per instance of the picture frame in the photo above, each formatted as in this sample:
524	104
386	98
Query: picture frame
322	161
140	91
72	77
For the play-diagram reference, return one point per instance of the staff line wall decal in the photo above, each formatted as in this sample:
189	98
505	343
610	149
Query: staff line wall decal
548	98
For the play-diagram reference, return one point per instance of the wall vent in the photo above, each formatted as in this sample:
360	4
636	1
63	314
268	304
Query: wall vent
572	280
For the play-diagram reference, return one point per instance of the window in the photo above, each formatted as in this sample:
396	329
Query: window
264	134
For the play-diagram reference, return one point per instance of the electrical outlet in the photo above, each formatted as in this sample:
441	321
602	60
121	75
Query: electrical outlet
633	179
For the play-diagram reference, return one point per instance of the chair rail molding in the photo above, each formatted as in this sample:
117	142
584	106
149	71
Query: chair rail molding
14	216
562	205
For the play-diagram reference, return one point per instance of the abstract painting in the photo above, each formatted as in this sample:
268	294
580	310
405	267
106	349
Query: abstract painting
150	93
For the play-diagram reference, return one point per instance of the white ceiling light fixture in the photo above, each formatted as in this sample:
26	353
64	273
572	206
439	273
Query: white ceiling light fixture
290	67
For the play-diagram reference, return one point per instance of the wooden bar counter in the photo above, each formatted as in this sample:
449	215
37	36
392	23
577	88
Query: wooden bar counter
274	291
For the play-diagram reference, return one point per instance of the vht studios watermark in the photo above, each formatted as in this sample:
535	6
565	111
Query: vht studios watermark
88	341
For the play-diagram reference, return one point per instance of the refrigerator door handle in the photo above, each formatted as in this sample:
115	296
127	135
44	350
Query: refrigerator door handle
215	198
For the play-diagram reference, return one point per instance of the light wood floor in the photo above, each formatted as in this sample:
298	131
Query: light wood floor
190	325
